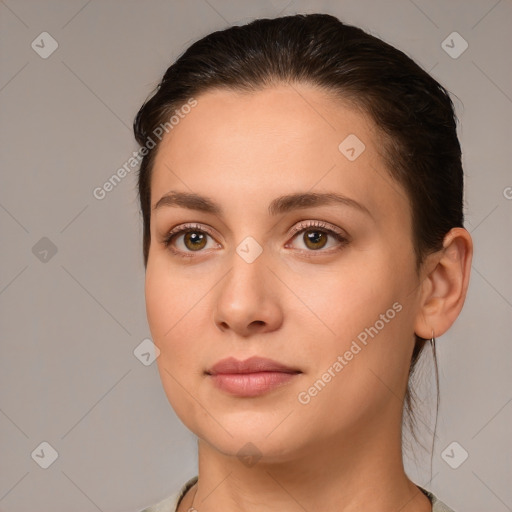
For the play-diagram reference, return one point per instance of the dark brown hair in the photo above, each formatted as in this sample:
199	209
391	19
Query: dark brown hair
413	112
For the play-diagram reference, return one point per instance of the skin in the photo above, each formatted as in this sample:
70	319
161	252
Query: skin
342	450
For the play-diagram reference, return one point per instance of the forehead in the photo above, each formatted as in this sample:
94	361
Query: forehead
277	140
263	124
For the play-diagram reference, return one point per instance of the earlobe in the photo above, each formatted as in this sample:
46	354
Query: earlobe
445	287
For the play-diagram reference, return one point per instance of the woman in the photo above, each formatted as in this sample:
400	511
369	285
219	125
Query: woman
301	190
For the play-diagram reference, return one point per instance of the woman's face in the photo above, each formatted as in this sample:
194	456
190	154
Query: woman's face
242	283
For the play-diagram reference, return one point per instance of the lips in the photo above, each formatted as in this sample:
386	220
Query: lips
251	378
252	365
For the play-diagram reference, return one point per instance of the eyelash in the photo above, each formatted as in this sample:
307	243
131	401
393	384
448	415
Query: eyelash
303	226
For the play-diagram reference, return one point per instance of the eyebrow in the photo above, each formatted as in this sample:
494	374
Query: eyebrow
280	205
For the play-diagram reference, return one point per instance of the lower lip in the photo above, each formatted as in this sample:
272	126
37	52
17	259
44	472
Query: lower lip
251	384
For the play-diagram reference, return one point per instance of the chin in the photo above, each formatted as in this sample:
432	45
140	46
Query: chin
250	449
251	440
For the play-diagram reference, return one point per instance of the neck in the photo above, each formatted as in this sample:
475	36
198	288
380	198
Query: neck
365	473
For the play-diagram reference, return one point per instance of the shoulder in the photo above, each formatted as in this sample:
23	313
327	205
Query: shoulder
437	504
167	505
170	503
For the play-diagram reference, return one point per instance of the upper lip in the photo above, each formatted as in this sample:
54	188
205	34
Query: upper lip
252	365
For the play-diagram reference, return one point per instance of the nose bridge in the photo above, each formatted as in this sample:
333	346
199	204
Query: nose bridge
248	267
245	296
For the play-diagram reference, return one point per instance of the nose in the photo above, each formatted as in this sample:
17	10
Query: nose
248	299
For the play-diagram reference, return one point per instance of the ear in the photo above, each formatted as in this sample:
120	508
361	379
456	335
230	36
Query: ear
445	284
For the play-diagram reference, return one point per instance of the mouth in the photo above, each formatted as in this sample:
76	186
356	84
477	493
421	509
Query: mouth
253	377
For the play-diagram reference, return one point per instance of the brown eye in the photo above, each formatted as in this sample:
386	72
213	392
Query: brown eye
194	240
316	235
188	240
315	239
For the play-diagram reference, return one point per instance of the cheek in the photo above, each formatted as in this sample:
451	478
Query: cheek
165	305
347	299
174	311
170	315
362	312
158	303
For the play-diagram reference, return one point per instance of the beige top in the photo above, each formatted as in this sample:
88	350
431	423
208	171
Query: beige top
170	504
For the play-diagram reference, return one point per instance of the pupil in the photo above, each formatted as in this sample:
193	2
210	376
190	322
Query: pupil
314	237
195	238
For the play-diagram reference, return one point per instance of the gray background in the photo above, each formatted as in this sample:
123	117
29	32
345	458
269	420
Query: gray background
70	321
